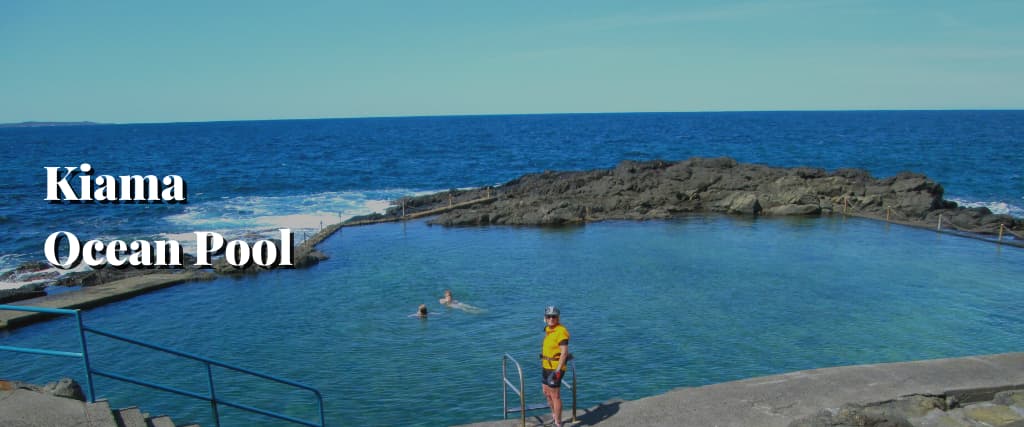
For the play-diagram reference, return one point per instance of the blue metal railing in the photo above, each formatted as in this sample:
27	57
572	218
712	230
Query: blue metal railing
209	363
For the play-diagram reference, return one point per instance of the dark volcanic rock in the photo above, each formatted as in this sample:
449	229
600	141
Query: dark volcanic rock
65	387
32	271
22	293
103	275
659	189
304	256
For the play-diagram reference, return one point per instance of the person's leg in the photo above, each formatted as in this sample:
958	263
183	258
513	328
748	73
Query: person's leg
556	405
547	395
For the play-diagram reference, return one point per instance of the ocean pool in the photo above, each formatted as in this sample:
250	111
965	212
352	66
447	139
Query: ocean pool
651	306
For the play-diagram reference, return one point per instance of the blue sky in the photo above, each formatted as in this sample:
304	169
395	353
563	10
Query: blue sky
114	61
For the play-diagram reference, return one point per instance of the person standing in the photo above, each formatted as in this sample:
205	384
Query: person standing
554	356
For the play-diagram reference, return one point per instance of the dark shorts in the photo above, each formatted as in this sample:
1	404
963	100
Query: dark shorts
544	378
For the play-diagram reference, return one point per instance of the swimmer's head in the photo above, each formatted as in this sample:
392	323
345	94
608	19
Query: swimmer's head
447	292
423	310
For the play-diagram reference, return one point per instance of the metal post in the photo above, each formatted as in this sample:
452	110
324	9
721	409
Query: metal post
939	228
320	407
522	402
85	356
504	390
213	394
403	207
574	393
887	209
522	396
449	200
845	202
1001	232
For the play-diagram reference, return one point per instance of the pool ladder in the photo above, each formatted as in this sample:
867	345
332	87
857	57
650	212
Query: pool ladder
521	392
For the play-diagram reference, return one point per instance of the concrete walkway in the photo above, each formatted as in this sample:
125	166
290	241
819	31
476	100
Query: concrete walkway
93	296
780	399
28	408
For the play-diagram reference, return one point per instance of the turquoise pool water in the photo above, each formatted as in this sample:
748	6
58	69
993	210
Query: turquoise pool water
651	306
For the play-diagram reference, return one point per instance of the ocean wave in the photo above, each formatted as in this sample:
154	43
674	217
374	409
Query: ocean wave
10	278
256	217
246	218
1002	208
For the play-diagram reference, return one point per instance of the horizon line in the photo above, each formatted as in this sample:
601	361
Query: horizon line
72	123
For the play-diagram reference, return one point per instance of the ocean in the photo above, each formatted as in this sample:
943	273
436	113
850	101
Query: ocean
651	305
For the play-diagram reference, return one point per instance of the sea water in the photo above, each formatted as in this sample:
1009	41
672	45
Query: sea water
247	178
651	305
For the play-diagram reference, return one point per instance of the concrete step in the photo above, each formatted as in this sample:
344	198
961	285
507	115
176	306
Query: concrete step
161	421
130	417
99	414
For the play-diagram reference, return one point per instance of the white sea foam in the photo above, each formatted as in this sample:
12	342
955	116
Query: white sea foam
254	217
46	275
243	217
1002	208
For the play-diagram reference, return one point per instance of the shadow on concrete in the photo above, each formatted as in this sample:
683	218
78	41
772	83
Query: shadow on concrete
598	413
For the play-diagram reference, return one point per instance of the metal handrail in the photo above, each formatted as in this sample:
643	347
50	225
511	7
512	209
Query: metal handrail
521	390
212	397
81	340
504	390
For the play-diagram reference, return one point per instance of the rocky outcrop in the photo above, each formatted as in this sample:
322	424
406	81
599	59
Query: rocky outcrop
65	387
1003	408
660	189
32	271
22	293
305	256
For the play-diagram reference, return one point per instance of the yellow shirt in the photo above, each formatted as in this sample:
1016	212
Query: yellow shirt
554	337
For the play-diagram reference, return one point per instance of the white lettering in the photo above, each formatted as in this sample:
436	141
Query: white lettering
165	248
55	183
141	255
175	189
207	243
91	248
96	253
114	251
237	253
107	188
286	247
140	188
52	247
264	253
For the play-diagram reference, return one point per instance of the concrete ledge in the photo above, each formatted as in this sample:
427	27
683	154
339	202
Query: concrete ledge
93	296
778	400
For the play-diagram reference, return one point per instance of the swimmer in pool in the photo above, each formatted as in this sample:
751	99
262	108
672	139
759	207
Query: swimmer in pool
453	303
447	300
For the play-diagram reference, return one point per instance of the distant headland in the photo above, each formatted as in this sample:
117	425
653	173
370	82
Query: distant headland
48	124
